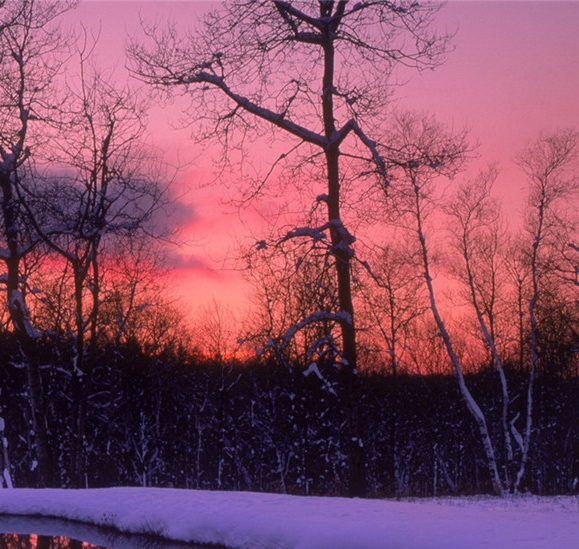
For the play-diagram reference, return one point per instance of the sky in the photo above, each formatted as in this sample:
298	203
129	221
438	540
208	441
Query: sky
513	74
246	520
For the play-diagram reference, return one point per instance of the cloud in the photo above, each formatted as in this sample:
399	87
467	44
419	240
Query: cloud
183	213
176	215
191	263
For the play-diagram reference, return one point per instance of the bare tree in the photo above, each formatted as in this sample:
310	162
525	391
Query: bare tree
114	198
422	151
314	72
392	300
32	49
517	268
476	219
94	186
215	332
292	288
551	165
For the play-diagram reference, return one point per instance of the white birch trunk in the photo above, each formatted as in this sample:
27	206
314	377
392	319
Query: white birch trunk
471	403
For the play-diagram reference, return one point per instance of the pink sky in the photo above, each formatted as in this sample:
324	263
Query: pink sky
514	73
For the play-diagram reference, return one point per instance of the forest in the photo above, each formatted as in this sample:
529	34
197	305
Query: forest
405	338
174	420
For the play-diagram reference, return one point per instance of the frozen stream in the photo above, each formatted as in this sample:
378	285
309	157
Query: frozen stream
100	538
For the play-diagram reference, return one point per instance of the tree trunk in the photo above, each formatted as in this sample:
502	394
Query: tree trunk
4	459
25	332
470	402
490	340
342	251
526	440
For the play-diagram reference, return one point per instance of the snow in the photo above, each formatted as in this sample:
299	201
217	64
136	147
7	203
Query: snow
313	369
246	520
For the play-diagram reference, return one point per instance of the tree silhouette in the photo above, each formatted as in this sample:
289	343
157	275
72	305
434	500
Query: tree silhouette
316	73
32	50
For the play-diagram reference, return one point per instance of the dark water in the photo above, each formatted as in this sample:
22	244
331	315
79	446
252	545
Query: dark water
19	532
36	541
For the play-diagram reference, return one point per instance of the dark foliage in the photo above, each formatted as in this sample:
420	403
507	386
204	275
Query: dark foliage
176	420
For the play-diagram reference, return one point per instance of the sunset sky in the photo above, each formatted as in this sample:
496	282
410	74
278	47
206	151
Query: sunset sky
514	73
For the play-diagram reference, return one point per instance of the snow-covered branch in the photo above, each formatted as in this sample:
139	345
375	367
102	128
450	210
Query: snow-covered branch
278	119
372	146
340	317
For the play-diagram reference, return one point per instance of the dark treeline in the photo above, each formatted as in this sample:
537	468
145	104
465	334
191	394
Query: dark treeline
173	419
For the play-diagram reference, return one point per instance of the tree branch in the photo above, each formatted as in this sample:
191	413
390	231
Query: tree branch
203	77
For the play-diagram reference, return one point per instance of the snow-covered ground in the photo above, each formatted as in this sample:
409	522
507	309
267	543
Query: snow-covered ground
243	520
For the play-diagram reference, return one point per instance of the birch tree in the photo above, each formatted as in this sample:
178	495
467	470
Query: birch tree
316	75
551	165
476	218
421	152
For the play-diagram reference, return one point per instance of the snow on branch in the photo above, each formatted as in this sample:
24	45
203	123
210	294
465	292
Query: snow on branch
313	369
342	241
279	120
341	317
17	306
317	234
352	126
345	238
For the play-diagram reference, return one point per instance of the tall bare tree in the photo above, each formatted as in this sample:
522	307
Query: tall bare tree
476	219
551	165
316	73
422	151
32	50
110	191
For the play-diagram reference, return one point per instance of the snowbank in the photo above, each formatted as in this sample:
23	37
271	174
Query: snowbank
243	520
